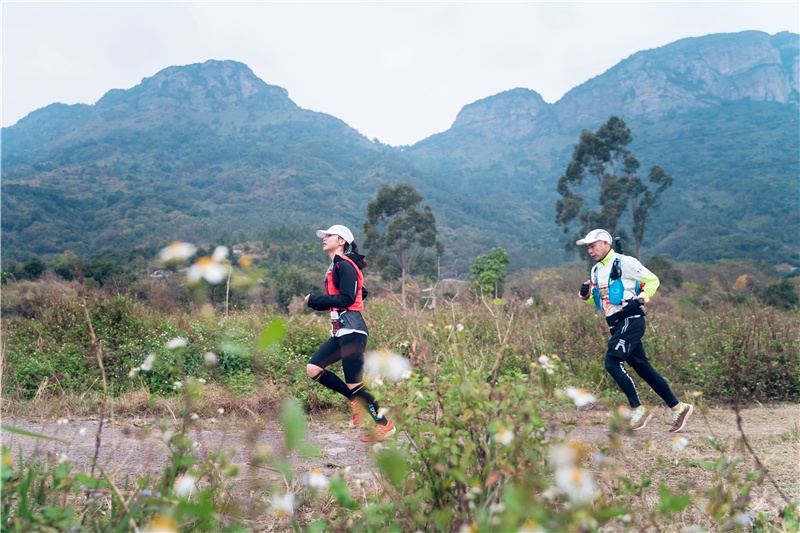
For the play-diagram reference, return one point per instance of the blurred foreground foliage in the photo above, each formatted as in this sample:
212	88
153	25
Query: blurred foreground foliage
478	452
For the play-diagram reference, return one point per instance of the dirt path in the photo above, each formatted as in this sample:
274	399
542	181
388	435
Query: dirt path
136	447
131	448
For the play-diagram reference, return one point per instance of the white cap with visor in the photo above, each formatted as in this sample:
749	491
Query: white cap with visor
337	229
594	236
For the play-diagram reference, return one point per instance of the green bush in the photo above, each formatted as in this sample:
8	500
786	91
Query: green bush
781	294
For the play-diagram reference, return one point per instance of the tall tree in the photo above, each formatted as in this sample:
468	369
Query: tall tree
603	167
398	232
643	199
488	272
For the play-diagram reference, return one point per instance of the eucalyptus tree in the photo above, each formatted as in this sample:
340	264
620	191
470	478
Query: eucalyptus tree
399	232
600	182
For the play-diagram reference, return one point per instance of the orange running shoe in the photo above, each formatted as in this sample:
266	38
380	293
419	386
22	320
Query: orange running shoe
379	433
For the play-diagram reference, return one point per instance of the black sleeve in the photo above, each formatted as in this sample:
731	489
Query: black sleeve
346	280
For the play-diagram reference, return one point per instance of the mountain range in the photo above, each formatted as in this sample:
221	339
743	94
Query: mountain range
199	151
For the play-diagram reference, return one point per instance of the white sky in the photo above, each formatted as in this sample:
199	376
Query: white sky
399	72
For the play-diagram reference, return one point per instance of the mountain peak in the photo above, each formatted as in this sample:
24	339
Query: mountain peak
511	114
210	86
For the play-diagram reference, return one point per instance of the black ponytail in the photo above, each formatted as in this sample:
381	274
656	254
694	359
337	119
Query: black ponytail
353	248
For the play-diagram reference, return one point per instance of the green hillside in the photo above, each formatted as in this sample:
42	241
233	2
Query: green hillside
207	151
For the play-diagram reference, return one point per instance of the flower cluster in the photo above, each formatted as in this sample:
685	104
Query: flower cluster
211	268
548	364
580	397
575	482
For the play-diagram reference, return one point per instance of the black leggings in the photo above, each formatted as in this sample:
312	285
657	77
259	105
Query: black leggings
347	348
624	346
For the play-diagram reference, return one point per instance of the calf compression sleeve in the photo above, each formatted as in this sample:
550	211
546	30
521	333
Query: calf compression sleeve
332	381
366	398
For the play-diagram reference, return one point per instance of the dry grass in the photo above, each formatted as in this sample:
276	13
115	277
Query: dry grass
267	398
772	432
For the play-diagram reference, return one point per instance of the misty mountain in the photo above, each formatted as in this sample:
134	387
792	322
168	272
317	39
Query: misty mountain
198	151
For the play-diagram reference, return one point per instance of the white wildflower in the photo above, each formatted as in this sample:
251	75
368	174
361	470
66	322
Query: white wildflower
177	250
406	375
177	342
177	385
184	485
221	411
504	436
82	432
317	480
529	301
220	253
562	456
167	435
62	458
385	363
580	396
283	504
208	269
147	366
210	359
459	327
497	508
679	444
133	372
544	360
202	381
577	483
194	416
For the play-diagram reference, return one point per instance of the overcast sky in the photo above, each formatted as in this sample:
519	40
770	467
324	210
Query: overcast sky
398	72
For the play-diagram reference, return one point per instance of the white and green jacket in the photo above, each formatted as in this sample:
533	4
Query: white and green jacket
636	279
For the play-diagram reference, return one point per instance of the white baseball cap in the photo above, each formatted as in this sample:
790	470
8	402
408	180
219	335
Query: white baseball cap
338	229
594	236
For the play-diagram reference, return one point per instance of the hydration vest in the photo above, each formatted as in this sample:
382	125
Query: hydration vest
330	288
616	290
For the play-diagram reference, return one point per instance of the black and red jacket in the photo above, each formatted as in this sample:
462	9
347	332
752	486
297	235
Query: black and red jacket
344	286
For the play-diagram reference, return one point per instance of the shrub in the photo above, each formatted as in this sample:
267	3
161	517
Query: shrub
781	294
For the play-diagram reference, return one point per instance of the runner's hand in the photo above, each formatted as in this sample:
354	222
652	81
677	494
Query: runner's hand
584	293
